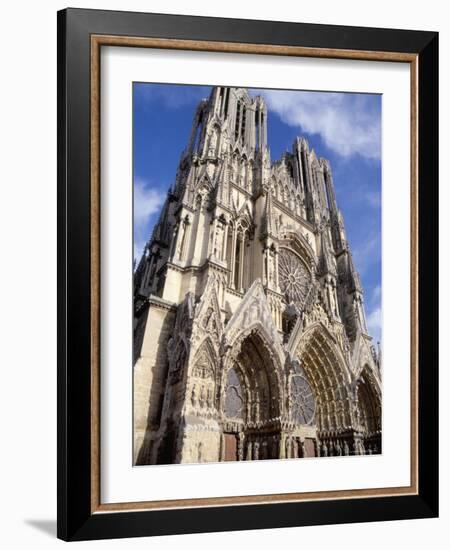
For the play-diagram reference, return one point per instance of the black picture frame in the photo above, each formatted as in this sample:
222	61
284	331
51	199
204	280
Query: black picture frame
76	520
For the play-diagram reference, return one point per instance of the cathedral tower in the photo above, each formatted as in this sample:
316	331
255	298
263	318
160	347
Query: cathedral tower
250	333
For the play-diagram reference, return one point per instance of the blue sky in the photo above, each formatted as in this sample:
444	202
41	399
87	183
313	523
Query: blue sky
342	127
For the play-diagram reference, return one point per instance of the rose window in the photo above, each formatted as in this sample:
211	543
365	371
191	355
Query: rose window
294	278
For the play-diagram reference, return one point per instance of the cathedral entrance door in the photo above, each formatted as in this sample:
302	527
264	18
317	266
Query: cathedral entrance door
230	441
310	449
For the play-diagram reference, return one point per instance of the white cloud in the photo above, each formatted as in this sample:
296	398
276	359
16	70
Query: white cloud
374	317
375	298
147	201
373	198
367	253
138	250
348	123
374	322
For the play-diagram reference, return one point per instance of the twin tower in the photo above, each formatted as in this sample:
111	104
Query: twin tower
250	338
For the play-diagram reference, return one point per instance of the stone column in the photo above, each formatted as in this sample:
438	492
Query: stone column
260	133
256	450
212	240
265	265
249	450
216	99
282	446
233	257
240	446
194	231
241	264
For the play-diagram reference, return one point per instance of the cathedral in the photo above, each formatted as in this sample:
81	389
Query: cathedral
250	338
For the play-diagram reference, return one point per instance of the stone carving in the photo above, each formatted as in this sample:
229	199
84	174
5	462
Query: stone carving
203	368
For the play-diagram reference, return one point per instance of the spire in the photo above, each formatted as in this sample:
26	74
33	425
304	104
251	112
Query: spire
216	193
329	186
268	228
338	232
326	263
354	282
304	146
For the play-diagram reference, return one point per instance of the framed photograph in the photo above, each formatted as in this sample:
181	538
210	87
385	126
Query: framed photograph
247	260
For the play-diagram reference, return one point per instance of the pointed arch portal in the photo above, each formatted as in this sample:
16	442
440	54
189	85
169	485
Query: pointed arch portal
368	409
252	402
330	381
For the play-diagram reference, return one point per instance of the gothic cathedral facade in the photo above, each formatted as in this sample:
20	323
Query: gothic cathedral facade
250	338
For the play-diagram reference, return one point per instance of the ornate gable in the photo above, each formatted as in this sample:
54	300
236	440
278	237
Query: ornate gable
243	211
204	180
362	356
254	312
207	321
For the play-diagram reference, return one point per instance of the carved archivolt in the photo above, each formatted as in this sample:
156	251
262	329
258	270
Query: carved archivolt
368	403
301	245
329	377
252	382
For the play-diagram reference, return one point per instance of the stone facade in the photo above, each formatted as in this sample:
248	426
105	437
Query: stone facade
250	332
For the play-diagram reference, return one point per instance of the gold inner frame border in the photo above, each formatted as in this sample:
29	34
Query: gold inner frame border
97	41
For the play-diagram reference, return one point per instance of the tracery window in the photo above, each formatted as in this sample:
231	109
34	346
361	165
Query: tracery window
303	400
294	278
257	130
237	121
237	262
244	116
227	97
240	121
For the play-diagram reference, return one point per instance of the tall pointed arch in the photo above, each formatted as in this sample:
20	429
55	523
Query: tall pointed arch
298	242
368	395
329	376
253	396
253	314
